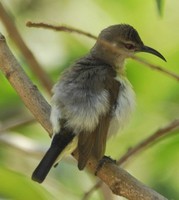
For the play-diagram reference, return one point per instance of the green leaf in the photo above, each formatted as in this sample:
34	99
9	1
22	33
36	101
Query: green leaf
160	6
18	187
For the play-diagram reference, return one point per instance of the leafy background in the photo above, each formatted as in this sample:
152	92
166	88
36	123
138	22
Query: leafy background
157	95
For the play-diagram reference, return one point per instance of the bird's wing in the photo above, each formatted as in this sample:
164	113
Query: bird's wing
86	94
93	143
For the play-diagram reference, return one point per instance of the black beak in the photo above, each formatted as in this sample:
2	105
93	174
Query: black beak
152	51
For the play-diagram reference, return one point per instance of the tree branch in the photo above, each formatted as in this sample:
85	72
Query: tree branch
149	141
105	43
156	67
144	144
60	28
31	60
119	181
16	122
28	92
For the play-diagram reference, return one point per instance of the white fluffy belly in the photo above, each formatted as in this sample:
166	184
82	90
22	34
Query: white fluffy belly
125	106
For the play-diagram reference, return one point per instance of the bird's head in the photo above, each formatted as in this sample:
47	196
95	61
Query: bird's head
126	39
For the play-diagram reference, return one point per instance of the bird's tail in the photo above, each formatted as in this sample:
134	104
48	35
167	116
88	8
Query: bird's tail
59	143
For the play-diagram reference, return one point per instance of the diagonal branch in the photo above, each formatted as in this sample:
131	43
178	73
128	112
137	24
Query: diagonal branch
159	134
156	67
30	59
28	92
144	144
121	182
105	43
14	123
118	180
60	28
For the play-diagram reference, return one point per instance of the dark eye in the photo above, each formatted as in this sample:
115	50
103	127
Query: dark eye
130	46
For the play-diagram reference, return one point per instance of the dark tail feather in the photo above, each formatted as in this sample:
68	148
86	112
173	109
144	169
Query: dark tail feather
45	164
59	142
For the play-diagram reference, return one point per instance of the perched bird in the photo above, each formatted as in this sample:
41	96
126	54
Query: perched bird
92	99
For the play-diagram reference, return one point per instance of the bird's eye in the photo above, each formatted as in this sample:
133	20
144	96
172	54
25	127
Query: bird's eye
130	46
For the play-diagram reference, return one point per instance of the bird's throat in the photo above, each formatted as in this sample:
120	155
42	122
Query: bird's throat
119	66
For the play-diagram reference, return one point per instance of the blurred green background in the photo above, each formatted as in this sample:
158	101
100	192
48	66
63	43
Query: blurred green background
157	96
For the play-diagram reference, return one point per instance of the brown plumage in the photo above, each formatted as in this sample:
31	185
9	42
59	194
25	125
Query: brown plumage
92	99
94	143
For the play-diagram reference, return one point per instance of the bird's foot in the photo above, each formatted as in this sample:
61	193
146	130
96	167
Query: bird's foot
105	159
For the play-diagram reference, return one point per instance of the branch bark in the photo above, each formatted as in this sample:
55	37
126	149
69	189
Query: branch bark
31	60
28	92
143	145
122	183
119	181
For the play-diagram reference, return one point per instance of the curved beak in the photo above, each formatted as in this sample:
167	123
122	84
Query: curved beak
152	51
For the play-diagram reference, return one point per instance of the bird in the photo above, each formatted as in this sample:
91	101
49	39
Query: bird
92	99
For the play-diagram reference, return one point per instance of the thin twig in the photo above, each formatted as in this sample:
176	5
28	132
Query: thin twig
143	145
60	28
106	43
30	58
14	123
156	67
149	141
